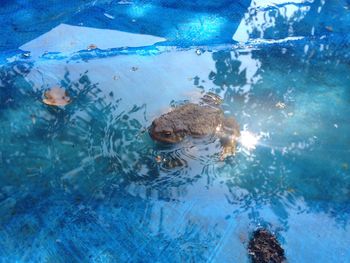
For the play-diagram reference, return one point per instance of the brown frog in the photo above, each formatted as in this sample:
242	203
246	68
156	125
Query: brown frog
197	120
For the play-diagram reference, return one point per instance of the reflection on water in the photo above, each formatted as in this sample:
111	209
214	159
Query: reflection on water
69	39
87	183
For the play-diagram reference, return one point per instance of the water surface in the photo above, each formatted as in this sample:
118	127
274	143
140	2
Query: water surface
82	183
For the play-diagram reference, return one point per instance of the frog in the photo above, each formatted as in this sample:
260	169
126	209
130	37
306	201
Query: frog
205	118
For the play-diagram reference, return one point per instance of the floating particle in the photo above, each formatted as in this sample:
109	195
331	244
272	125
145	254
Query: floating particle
336	125
124	2
345	166
109	16
33	117
280	105
26	55
91	47
329	28
134	68
143	130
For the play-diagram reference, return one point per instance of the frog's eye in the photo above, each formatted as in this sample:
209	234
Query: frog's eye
167	133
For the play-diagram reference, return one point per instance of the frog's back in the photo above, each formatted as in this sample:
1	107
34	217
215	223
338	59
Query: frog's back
197	119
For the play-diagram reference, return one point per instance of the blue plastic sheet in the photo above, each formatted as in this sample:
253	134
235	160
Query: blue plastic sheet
86	183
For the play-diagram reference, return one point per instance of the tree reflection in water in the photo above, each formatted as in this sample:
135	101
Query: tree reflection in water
284	169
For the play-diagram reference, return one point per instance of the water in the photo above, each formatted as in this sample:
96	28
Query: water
84	183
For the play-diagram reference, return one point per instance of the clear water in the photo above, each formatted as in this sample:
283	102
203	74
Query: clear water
82	183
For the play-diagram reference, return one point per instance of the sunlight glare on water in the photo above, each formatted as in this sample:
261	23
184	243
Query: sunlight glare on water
249	140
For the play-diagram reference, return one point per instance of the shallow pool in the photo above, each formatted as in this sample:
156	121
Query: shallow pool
86	183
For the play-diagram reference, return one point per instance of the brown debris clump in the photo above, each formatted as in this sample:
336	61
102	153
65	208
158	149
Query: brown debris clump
264	248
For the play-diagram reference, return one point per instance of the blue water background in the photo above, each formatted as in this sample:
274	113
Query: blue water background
82	183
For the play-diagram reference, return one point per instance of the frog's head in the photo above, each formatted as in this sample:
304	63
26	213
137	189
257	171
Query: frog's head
162	130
